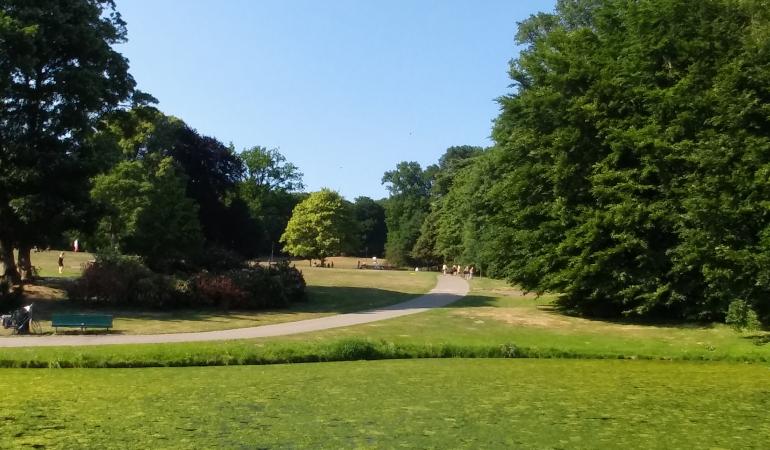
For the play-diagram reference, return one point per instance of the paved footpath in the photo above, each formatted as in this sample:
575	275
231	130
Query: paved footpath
448	289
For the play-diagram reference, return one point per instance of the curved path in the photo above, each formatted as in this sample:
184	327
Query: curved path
448	289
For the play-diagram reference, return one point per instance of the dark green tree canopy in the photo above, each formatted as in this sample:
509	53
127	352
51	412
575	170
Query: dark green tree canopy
370	215
406	208
630	160
267	170
58	73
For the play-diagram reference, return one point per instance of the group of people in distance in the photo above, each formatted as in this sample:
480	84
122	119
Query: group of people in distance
458	269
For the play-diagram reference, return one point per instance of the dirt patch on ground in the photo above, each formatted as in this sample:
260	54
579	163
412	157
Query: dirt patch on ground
510	292
543	319
517	316
43	293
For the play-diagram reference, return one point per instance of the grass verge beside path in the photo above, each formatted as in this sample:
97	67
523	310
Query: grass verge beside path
495	321
417	404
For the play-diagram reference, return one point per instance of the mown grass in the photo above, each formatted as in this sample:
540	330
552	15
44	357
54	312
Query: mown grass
495	321
47	263
495	314
330	291
415	404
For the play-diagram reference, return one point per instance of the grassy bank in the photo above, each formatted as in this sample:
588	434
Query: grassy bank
417	404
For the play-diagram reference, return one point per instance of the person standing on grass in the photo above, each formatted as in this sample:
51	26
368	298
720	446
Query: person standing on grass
61	262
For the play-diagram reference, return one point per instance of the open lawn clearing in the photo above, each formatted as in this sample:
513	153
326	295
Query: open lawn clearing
47	263
330	291
416	403
495	314
477	326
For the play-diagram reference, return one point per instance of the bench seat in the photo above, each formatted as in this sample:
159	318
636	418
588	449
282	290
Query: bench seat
81	321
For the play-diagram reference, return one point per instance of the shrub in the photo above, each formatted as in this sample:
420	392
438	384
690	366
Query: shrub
115	280
219	259
253	288
217	290
10	296
125	281
741	316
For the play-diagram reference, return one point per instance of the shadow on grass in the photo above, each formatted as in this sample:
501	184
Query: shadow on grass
759	339
321	300
554	310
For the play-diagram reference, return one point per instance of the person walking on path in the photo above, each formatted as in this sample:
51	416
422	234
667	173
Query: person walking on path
61	262
470	273
443	269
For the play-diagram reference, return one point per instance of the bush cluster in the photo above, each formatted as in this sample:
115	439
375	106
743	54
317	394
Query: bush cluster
250	288
126	281
10	297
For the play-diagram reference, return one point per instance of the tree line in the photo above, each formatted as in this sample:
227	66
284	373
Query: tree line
85	154
629	171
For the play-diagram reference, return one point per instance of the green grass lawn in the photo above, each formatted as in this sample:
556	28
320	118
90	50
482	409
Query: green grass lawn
47	263
385	404
497	314
494	321
330	291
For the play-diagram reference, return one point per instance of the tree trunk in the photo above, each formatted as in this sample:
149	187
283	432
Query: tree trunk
8	270
24	263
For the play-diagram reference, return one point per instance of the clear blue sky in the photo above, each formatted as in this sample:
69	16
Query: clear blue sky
345	88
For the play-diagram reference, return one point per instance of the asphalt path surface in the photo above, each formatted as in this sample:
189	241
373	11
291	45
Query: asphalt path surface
448	289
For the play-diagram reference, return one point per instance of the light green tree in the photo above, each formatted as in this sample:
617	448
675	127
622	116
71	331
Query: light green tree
320	226
147	212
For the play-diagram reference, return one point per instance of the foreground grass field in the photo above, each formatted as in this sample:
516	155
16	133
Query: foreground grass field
415	404
330	291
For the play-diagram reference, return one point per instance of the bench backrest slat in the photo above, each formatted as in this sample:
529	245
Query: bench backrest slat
77	320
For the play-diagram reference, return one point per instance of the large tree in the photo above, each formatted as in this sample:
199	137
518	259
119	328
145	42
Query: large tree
632	159
269	189
321	226
147	213
370	215
406	208
444	228
58	73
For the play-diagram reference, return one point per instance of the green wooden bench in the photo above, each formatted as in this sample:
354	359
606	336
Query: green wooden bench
81	321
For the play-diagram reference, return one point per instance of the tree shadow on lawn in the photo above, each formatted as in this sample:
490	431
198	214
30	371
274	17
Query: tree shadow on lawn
759	339
321	300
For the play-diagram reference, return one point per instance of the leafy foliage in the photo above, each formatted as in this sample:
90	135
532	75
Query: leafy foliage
370	216
321	226
277	286
115	280
147	212
406	208
631	161
741	317
629	172
58	73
